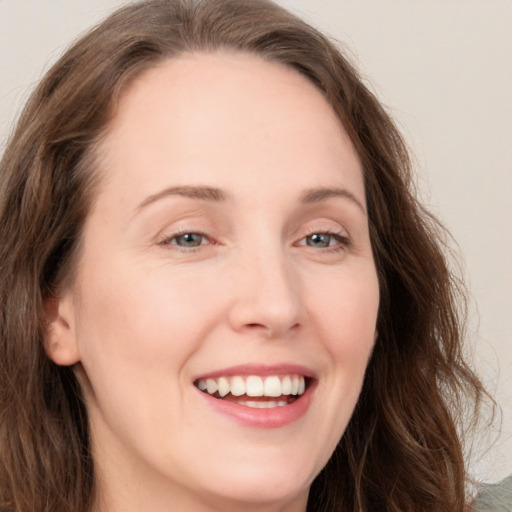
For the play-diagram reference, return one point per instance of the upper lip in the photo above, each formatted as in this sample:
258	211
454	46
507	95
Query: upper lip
261	370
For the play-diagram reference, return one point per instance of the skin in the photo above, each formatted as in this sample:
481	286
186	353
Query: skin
145	316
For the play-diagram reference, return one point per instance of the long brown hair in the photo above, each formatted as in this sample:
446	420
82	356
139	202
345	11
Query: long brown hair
401	450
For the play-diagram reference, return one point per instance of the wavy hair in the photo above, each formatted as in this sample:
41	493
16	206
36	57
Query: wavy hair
401	450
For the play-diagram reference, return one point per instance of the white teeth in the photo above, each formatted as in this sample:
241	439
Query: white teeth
295	385
273	386
286	385
302	386
223	384
237	386
263	405
253	385
211	386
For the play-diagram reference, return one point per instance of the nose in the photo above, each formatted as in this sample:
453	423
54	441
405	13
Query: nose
267	299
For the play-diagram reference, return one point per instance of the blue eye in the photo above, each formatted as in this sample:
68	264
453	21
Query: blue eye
321	240
188	240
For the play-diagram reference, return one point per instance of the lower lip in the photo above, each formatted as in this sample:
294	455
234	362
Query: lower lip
274	417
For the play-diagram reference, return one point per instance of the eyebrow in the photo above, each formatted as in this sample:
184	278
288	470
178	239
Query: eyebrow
205	193
193	192
315	195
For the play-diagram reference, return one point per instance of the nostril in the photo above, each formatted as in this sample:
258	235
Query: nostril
260	328
271	330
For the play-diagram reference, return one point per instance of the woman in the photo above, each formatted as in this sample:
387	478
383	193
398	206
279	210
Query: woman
218	291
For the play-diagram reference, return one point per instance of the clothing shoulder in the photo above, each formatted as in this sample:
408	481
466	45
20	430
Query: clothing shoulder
495	498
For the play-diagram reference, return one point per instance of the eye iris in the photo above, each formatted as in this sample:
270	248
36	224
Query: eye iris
319	240
189	240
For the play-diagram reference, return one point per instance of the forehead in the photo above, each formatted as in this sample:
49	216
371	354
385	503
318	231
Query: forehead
211	116
219	78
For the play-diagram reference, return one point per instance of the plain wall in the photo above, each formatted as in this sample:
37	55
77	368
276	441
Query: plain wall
443	68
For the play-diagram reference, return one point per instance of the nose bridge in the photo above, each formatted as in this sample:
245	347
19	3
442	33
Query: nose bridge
267	294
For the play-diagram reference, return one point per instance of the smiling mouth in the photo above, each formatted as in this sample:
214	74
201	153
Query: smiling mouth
255	391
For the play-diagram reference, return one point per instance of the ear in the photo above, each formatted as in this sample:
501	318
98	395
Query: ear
60	341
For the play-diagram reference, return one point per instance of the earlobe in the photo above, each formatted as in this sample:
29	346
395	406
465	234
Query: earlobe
60	341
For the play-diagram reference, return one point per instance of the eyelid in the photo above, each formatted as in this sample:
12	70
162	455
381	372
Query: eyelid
338	232
166	239
324	226
335	234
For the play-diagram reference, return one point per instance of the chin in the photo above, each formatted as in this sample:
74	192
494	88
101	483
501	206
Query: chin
258	482
260	491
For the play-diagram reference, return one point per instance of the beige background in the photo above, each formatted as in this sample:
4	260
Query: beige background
444	70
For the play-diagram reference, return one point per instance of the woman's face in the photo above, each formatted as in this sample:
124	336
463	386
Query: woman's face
227	249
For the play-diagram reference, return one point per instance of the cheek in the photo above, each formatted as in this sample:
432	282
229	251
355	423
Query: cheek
139	318
136	332
343	317
346	311
346	319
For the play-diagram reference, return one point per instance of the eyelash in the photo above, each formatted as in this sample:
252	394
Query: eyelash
170	240
343	241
